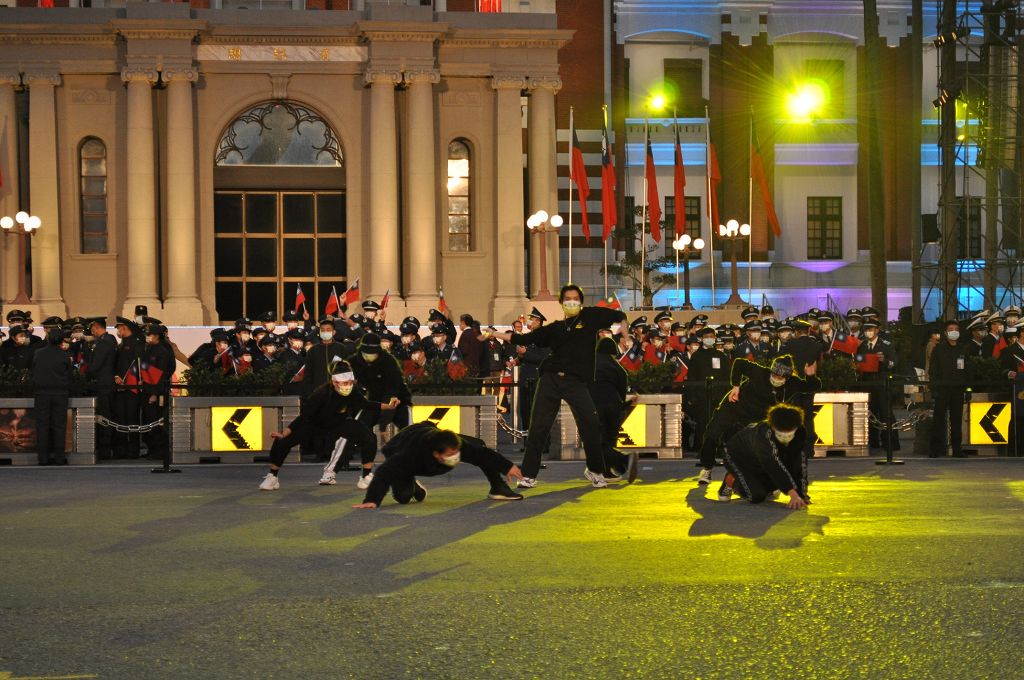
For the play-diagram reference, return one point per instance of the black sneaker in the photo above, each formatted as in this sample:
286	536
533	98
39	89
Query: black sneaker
504	493
419	492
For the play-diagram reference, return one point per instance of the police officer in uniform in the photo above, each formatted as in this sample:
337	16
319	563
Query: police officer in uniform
127	402
51	383
156	361
879	402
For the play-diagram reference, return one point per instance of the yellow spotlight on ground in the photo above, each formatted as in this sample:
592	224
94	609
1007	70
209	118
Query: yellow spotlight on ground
807	101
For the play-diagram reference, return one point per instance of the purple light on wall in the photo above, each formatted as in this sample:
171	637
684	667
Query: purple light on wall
820	267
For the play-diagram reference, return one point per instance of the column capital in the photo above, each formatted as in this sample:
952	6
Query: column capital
146	74
382	74
550	83
188	74
508	81
10	78
51	79
426	75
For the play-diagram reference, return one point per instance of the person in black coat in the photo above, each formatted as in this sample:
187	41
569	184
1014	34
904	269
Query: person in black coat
950	373
321	357
18	354
767	457
565	374
756	388
380	375
127	403
51	381
609	390
707	382
100	373
329	412
423	450
156	366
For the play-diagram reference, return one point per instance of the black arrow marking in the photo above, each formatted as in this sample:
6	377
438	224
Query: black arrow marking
623	435
988	423
438	414
817	437
231	428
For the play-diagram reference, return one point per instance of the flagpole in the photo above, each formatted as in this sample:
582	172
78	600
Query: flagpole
604	111
707	172
675	129
571	131
643	215
750	209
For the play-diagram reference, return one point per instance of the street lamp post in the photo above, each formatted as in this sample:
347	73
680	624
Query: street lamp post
541	223
685	245
733	231
26	224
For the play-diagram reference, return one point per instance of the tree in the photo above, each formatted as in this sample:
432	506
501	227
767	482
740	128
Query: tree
629	266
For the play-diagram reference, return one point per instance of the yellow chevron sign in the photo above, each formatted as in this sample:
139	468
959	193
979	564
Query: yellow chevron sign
445	417
990	422
633	432
236	428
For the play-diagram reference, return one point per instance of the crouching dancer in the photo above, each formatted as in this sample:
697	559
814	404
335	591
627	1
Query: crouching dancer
767	457
330	410
423	450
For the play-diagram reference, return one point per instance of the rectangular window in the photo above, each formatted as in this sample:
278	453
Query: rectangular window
692	223
968	218
830	74
93	207
824	227
687	77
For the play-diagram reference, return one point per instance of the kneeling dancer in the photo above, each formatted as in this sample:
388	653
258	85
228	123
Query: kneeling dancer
767	457
423	450
329	411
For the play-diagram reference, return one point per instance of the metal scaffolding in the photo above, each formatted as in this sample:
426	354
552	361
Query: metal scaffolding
977	261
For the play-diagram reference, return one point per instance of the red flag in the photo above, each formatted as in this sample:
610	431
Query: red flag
442	306
351	295
680	189
612	302
845	343
609	215
150	374
300	375
758	173
46	3
867	363
714	178
578	174
300	297
457	368
653	202
384	301
489	5
332	306
131	377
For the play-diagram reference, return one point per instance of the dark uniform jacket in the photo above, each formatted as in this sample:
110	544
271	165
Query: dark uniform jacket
1012	359
126	354
703	365
156	368
745	349
757	394
101	365
950	367
610	383
319	359
753	453
883	346
572	341
51	370
382	379
407	456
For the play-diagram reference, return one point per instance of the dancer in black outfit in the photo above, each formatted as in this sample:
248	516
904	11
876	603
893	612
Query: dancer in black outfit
767	457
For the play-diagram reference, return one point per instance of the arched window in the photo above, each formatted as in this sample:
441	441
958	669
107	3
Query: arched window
460	218
92	156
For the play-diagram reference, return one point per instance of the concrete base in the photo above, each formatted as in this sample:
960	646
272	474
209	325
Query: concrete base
41	309
179	311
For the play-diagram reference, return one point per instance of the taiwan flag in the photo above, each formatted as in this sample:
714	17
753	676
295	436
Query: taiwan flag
300	297
612	302
456	366
151	375
351	295
845	343
332	306
578	174
653	202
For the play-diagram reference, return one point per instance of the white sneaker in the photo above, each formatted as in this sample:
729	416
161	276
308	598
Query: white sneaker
270	483
774	495
364	481
526	483
612	476
597	480
705	476
329	478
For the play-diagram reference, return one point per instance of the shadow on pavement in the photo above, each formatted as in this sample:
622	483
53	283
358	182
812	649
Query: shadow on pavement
772	525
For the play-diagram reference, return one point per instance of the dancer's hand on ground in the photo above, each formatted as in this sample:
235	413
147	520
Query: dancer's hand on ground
734	394
795	501
365	506
514	474
281	435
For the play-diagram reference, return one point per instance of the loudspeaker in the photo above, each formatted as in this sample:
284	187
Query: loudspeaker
929	228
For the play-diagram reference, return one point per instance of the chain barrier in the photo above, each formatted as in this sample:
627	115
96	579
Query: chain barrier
130	429
903	424
514	433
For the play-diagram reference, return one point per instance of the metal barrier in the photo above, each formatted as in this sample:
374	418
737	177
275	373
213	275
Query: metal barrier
841	421
81	432
476	416
227	429
654	424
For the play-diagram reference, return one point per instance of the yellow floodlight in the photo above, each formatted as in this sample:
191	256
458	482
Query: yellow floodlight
807	101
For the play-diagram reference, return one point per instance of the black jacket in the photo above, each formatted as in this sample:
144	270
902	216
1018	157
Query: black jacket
950	367
127	353
407	457
1011	359
381	379
325	409
757	394
700	367
101	366
753	452
610	384
156	366
572	341
319	359
51	370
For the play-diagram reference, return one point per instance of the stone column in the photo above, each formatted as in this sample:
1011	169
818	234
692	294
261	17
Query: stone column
182	305
140	189
542	166
44	197
510	298
421	152
382	231
9	192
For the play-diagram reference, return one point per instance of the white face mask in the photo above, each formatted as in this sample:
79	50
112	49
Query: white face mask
344	389
270	326
572	307
870	334
244	337
451	461
777	382
784	437
708	342
754	337
439	340
953	335
326	335
297	345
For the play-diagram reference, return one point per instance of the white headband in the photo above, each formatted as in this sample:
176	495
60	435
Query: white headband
342	377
